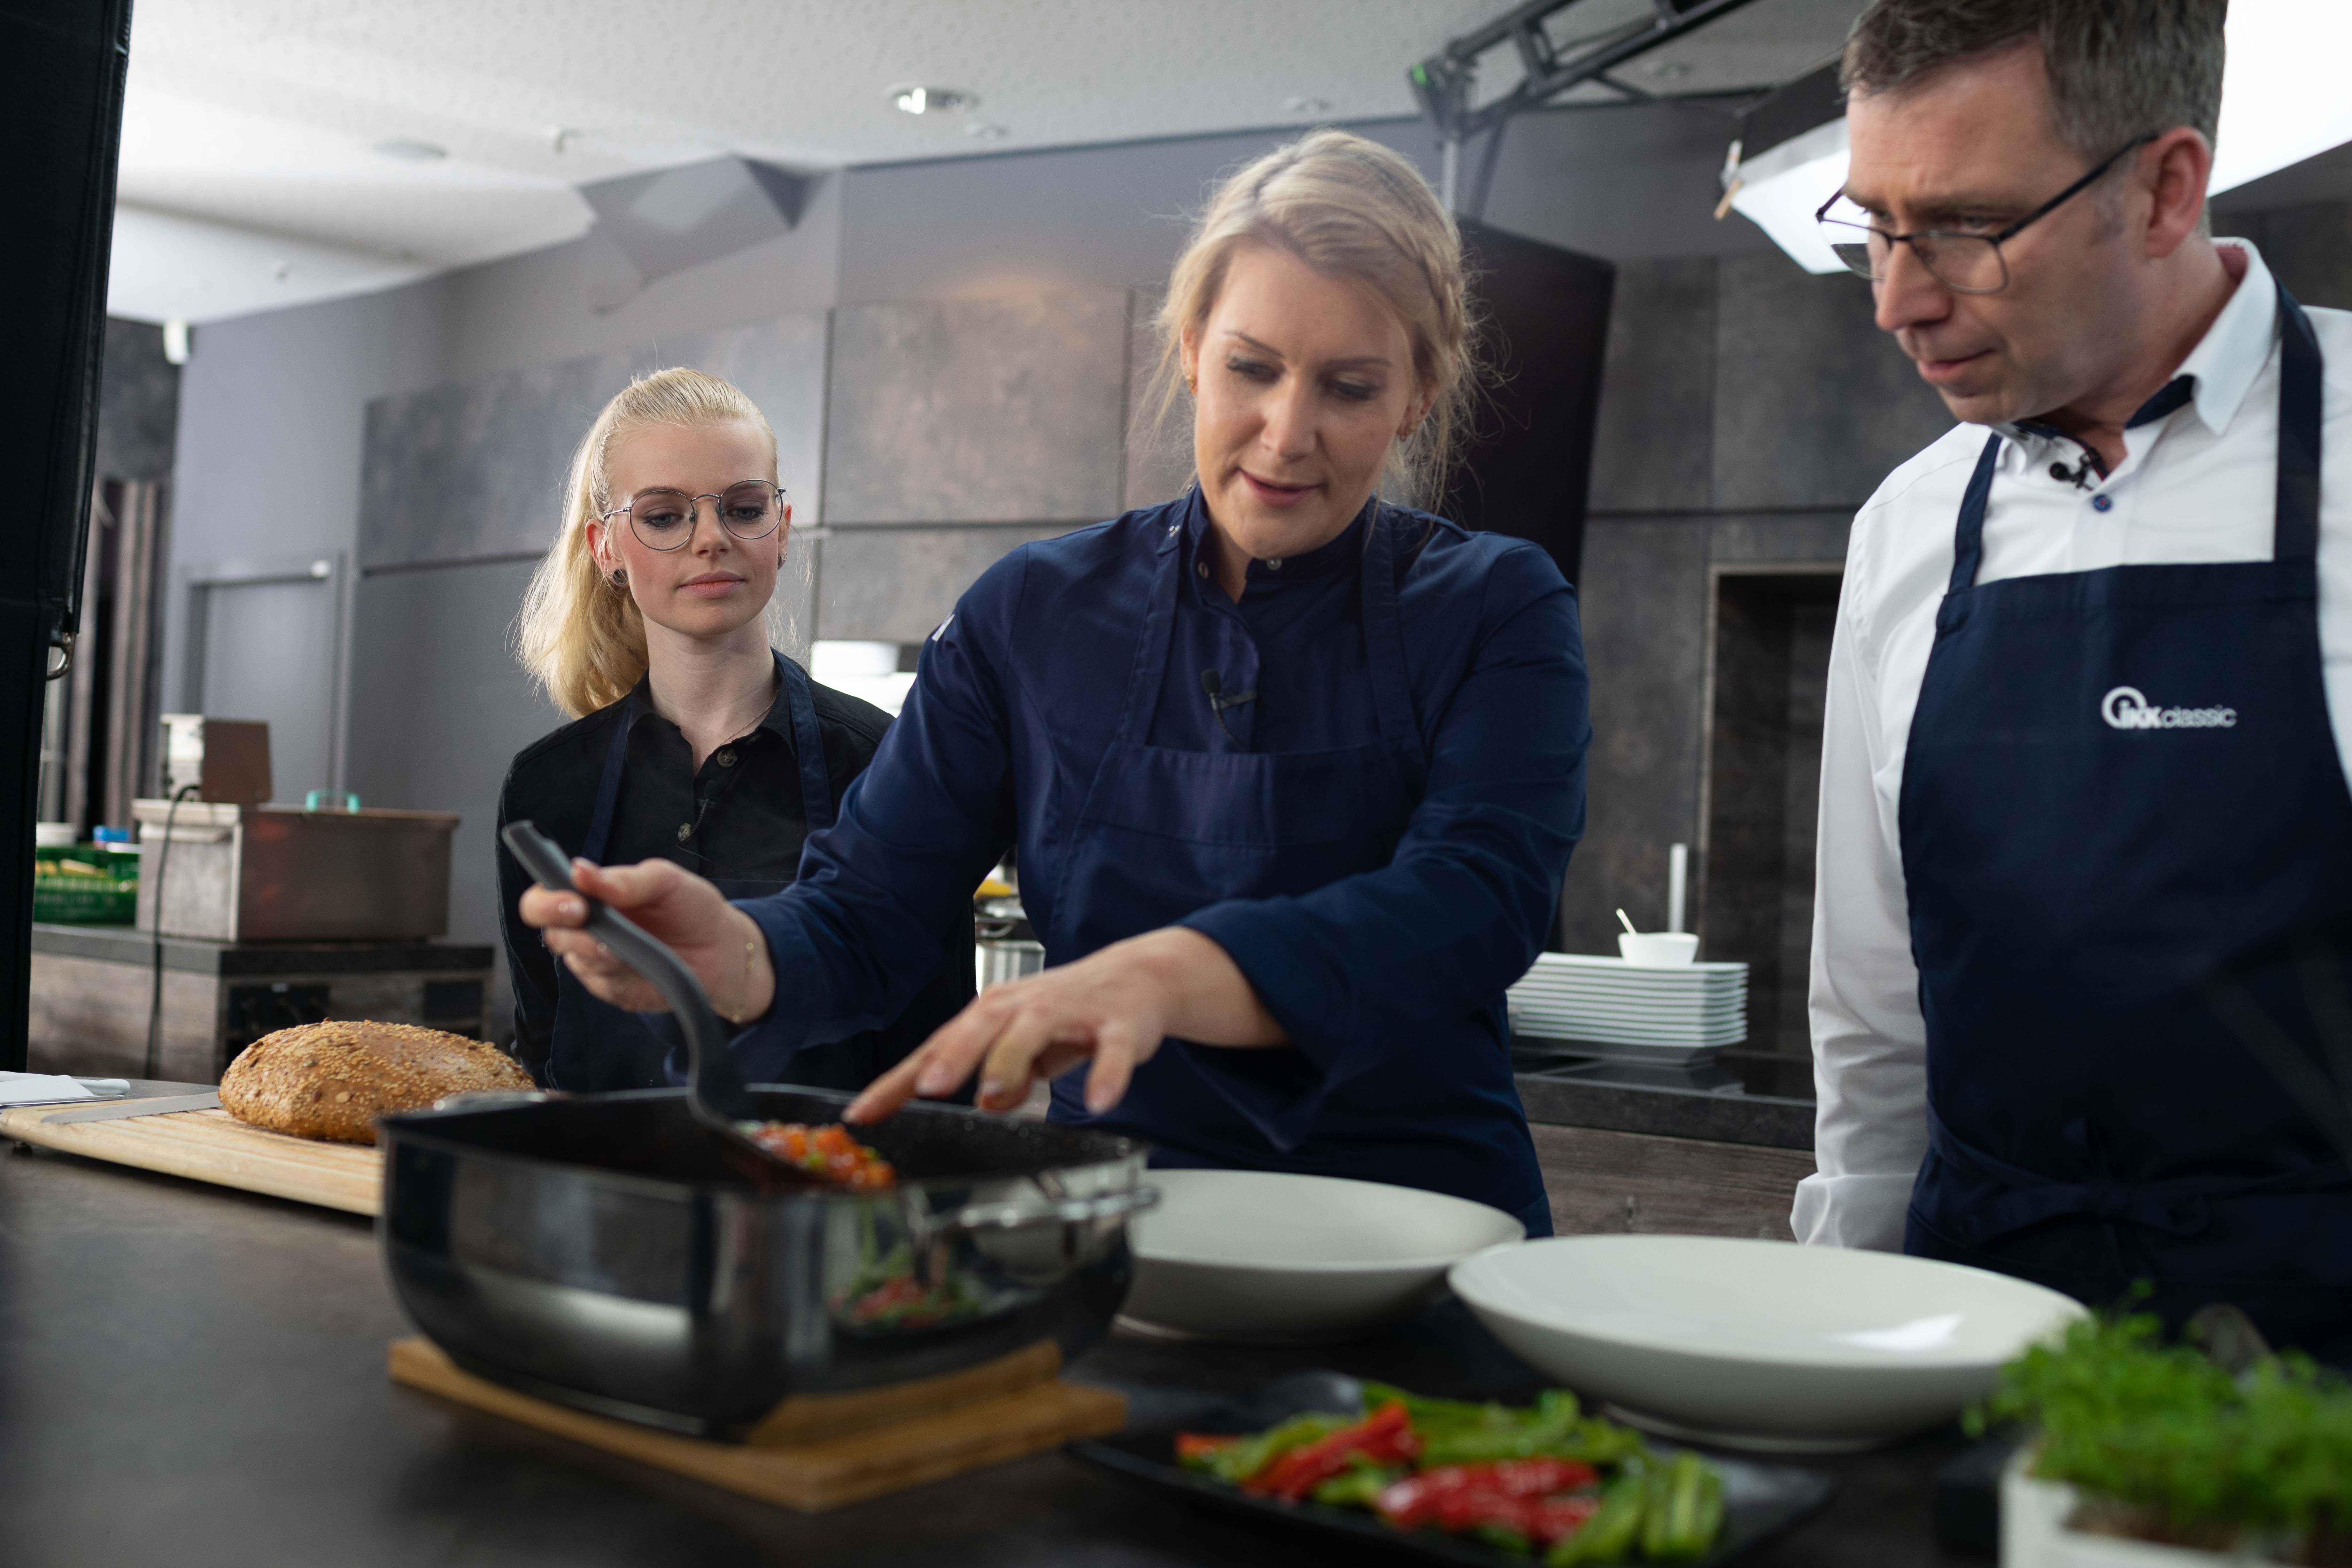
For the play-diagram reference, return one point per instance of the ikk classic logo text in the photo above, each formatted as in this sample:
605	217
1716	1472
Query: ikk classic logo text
2126	709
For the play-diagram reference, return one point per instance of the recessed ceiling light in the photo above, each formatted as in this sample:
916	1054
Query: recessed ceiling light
410	150
933	99
1309	107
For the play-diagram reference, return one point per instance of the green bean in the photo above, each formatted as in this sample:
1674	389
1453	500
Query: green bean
1609	1535
1684	1509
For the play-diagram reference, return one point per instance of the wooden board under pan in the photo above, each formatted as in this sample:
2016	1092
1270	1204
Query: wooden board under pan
981	1417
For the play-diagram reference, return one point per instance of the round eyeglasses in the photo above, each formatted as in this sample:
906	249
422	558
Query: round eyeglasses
1963	262
663	519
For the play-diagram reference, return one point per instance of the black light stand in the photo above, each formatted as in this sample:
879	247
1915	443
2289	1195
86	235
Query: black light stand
61	75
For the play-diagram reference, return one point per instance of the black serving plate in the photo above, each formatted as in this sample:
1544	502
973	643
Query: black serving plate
1760	1503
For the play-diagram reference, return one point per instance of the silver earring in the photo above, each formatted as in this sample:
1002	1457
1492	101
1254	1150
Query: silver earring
620	578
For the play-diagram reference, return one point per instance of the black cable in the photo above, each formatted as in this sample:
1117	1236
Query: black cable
155	995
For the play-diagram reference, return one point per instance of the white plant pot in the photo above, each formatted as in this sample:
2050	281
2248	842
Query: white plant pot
2033	1534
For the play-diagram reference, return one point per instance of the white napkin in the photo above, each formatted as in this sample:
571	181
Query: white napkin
54	1088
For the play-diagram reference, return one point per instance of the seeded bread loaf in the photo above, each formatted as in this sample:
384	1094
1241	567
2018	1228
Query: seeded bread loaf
333	1079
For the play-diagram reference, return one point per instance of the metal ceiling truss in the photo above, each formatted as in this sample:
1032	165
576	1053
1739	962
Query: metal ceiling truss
1442	83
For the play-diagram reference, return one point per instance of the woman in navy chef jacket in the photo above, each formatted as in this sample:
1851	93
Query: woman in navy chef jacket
1294	772
649	622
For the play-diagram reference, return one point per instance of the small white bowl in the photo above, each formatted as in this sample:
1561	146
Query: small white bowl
1657	949
1760	1344
1262	1258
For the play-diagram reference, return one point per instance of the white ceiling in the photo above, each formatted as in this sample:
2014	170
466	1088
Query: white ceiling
258	120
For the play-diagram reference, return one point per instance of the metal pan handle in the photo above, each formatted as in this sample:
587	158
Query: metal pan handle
1022	1215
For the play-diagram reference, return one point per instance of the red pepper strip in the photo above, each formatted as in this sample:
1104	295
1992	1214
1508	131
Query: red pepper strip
1386	1439
1553	1518
1192	1445
1542	1521
1419	1499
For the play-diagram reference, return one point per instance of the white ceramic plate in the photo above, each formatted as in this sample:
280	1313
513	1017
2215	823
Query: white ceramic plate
1730	999
1758	1343
1549	1027
1261	1257
1660	994
1595	961
1634	1015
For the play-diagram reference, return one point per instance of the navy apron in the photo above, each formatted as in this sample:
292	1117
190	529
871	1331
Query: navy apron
2128	845
1163	832
596	1046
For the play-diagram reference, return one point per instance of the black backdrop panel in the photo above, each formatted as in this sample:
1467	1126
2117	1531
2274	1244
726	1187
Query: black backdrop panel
61	72
1527	468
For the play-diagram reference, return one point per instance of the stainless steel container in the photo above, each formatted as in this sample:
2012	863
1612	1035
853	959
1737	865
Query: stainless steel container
594	1250
1003	960
278	873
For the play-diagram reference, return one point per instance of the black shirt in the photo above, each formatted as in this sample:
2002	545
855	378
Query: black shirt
738	817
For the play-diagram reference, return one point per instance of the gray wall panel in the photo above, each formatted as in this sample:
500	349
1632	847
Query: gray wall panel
1644	604
1643	597
1813	404
896	584
1652	444
272	436
1005	410
477	470
443	708
2308	248
1793	536
137	404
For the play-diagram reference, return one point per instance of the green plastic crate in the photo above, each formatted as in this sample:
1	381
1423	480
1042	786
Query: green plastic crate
72	899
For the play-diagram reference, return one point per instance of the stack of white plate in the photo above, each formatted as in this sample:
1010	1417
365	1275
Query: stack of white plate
1678	1009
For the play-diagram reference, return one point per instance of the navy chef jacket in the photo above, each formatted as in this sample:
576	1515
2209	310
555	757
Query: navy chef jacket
1388	983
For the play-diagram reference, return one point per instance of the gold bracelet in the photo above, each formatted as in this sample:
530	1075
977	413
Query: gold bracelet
750	952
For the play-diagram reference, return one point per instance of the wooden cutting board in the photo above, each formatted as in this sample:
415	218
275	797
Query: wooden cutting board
213	1146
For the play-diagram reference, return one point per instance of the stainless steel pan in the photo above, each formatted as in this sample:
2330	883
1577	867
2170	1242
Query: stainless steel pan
635	1254
598	1251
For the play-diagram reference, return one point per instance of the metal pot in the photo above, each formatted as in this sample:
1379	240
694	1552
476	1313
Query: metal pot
595	1250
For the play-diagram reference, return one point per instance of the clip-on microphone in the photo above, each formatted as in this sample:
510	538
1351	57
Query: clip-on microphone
1214	684
2079	476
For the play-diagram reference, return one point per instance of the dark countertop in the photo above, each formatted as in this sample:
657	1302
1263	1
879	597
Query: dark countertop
1733	1097
195	1376
123	944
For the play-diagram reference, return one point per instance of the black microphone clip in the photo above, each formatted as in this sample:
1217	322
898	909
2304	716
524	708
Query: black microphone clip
2079	476
1214	685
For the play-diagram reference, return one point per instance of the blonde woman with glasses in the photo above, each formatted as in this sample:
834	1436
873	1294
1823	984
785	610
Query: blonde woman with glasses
1293	768
693	741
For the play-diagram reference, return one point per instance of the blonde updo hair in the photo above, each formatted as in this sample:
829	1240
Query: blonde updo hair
1353	209
581	639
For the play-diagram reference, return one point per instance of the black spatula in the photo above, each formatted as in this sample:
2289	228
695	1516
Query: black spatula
714	1090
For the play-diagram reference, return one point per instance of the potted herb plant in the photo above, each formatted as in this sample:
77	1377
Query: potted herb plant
2145	1454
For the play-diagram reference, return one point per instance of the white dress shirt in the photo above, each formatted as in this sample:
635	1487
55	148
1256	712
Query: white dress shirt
2197	485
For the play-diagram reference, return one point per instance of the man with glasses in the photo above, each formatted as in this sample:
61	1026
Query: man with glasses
2081	1005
